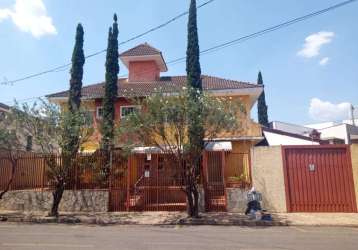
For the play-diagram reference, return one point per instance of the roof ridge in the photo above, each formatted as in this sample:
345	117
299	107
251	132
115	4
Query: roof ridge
139	45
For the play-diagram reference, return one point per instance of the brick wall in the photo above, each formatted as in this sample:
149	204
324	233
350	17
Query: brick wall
143	71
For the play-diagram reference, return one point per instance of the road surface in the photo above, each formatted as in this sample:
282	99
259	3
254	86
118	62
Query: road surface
53	237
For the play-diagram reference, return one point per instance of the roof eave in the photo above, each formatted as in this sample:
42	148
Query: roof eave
158	58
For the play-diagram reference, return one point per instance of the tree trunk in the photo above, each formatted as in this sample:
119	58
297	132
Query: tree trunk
193	200
57	196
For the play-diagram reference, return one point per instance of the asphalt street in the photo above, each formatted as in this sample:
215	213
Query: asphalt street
51	237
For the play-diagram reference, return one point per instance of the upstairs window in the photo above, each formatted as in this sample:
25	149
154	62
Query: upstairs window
99	113
127	110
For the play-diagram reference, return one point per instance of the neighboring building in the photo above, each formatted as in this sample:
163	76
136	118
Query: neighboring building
291	128
354	139
282	133
145	65
336	132
4	108
276	137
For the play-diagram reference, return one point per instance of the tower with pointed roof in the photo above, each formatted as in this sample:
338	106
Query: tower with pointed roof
144	63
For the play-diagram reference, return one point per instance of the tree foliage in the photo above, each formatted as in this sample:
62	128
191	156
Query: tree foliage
196	125
111	88
164	123
261	106
12	142
78	60
52	131
193	68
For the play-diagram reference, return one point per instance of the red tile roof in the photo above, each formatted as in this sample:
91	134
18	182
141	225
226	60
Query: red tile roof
141	50
166	84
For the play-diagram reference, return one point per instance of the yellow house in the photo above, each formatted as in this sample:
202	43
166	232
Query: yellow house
145	65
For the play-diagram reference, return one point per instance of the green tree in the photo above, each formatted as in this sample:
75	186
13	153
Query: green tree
195	128
71	130
12	143
52	131
164	122
193	51
78	60
261	106
111	88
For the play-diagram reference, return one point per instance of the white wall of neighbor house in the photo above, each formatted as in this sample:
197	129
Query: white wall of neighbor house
268	177
338	131
275	139
342	131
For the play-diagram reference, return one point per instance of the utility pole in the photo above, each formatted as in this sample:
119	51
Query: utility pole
352	115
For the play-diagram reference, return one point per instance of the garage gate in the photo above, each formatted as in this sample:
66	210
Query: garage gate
319	179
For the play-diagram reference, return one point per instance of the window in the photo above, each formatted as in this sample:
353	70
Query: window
126	110
99	113
29	143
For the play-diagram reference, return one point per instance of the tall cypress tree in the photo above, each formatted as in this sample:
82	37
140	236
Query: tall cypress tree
111	88
261	106
74	100
193	69
195	127
78	60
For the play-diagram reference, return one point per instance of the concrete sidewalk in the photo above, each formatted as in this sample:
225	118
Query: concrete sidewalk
178	218
319	219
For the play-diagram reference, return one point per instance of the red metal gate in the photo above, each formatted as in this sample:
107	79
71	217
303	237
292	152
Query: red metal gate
149	183
214	184
319	179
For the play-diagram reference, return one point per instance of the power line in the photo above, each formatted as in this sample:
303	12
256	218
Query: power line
64	66
256	34
262	32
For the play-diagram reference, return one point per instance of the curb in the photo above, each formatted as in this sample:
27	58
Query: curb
107	222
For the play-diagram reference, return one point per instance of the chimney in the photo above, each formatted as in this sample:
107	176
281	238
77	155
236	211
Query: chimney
144	63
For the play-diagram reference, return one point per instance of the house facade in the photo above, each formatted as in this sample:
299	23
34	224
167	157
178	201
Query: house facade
145	65
227	157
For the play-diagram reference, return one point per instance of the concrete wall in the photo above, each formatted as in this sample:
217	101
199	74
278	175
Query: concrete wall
236	199
72	201
268	177
354	154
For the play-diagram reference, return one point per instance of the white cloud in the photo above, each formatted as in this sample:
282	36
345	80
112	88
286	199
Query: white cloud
4	13
324	61
326	111
314	42
30	16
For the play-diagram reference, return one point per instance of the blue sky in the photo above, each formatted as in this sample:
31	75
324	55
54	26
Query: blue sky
309	69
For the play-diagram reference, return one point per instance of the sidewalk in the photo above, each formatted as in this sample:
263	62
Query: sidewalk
178	218
320	219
